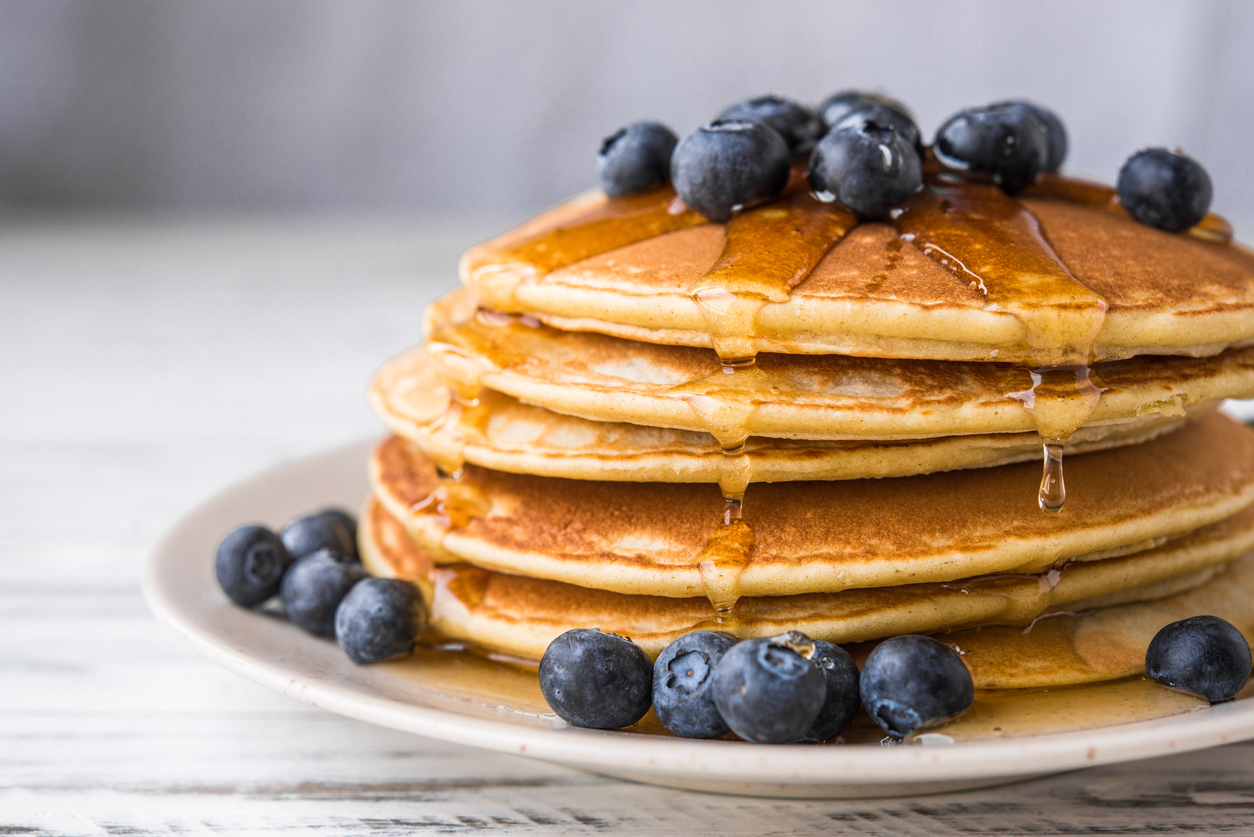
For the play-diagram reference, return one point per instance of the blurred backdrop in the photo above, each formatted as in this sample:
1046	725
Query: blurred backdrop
491	108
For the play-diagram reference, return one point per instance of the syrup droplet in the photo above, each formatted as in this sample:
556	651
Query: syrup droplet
1053	492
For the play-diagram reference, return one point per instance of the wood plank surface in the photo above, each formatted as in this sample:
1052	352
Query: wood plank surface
146	364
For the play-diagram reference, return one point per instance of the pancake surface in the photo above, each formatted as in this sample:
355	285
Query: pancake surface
520	616
819	536
500	432
811	397
628	267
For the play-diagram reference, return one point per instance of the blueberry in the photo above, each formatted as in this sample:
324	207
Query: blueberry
313	587
1204	656
346	523
380	619
635	157
869	168
1164	189
912	682
883	117
1055	132
596	680
839	105
797	124
249	564
728	164
767	692
309	533
1005	140
683	684
843	701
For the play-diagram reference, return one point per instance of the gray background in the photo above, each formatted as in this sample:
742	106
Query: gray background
486	109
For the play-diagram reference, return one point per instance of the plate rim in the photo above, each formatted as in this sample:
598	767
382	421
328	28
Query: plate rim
660	757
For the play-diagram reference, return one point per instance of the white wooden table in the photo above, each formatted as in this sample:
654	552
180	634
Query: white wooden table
145	365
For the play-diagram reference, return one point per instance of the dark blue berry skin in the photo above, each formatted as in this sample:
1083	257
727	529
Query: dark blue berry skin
313	588
683	684
346	523
635	157
912	682
1204	656
767	692
840	104
1055	131
250	563
869	168
882	117
1006	141
840	673
309	533
596	680
797	124
729	164
1164	189
380	619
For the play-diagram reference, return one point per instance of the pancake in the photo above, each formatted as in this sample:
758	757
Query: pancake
505	434
667	539
1105	644
520	616
963	272
811	397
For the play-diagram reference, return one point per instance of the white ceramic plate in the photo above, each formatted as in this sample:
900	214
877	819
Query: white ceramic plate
455	698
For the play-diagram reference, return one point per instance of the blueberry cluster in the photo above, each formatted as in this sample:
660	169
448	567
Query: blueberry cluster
865	150
313	567
771	690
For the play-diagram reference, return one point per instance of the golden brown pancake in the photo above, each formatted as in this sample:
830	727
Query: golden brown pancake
882	291
503	433
1103	644
811	397
520	616
819	536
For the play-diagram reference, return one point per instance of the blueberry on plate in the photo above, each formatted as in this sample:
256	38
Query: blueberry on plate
380	619
729	164
596	680
309	533
870	168
683	684
635	157
797	124
313	588
767	692
883	117
1204	656
1164	189
840	104
1055	132
1006	141
249	563
843	700
912	682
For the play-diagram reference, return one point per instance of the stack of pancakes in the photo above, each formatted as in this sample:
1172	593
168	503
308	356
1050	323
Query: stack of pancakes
633	419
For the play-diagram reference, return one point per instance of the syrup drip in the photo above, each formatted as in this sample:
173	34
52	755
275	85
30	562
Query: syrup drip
767	252
995	245
721	562
452	502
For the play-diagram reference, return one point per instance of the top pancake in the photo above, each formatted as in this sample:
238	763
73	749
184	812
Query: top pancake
991	278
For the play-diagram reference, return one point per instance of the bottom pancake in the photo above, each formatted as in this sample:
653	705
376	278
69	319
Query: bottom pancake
520	616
